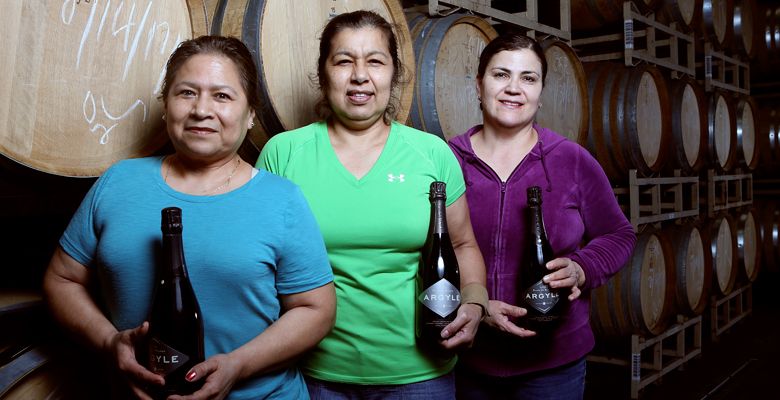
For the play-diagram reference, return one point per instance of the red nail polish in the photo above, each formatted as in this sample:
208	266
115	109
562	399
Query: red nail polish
191	375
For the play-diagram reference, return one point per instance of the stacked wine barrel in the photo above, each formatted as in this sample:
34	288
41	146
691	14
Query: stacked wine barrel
645	118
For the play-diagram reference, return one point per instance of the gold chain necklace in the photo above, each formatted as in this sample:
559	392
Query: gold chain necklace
216	189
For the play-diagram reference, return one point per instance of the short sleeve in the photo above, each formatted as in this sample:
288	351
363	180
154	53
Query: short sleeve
80	238
269	157
303	263
450	172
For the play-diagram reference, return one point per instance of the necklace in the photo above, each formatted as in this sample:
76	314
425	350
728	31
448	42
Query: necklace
216	189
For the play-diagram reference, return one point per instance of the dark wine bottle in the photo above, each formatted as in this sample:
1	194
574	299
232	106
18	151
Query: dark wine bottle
175	338
544	304
438	277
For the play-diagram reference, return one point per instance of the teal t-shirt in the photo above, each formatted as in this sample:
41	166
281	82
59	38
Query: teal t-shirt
242	249
374	228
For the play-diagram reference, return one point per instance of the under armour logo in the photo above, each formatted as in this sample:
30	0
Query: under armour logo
392	178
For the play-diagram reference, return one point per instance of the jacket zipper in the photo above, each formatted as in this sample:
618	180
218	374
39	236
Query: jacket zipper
500	250
498	257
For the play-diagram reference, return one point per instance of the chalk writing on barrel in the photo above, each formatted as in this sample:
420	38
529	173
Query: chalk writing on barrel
139	36
90	110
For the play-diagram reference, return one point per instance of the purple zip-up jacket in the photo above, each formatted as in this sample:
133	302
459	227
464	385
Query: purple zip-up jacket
583	222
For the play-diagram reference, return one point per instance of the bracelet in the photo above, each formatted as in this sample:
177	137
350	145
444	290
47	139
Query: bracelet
475	293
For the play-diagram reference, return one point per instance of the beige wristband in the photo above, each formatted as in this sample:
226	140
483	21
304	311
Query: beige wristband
474	293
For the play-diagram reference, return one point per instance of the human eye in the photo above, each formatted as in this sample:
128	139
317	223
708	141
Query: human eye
500	75
185	92
223	96
530	78
342	60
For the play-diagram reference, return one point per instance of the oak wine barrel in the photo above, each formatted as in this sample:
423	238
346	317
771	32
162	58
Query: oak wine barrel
640	298
21	313
14	301
773	27
723	245
630	123
768	138
80	81
202	14
717	25
769	228
648	6
767	56
686	14
745	27
692	266
722	131
564	99
689	126
447	53
18	376
284	39
57	371
748	236
594	15
748	153
772	31
37	359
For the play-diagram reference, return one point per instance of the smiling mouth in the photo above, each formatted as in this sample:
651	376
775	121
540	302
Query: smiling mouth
511	103
359	97
200	130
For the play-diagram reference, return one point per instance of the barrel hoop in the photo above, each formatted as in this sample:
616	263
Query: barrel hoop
250	34
219	16
415	114
20	367
618	116
426	69
25	306
634	292
418	45
601	89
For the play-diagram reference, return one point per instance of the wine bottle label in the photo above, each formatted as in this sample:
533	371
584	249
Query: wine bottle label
164	359
540	297
442	298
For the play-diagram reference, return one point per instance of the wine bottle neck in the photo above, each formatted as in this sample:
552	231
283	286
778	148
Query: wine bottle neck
537	222
173	255
438	216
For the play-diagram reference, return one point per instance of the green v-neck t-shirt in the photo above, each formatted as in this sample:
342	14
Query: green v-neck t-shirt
374	228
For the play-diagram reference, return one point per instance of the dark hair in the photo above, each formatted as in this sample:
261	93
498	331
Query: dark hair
356	20
228	47
510	41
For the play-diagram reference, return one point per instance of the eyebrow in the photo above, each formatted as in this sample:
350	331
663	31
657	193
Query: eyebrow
521	72
215	87
370	53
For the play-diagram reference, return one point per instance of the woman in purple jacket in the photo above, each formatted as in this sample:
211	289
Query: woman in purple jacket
587	230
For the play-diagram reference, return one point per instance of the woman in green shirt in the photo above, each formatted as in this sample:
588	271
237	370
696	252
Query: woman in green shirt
366	178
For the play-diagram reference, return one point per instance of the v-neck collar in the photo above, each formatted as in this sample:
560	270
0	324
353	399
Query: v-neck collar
343	171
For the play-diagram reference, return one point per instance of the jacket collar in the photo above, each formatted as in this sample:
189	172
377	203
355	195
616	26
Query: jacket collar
548	140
